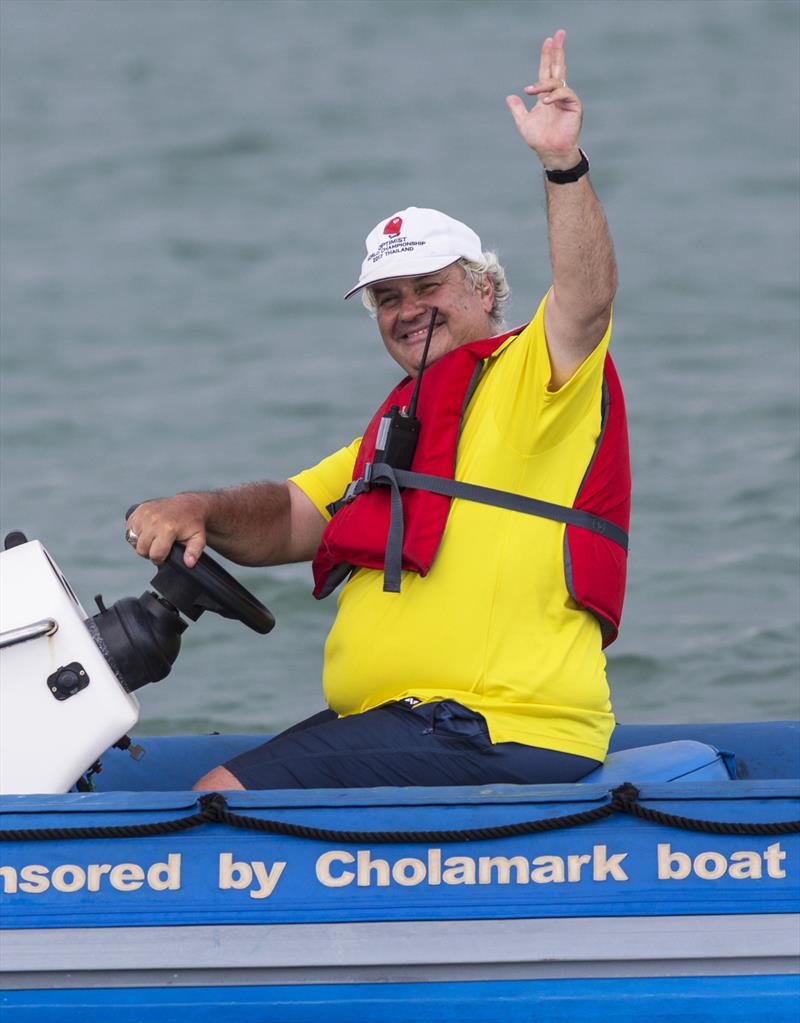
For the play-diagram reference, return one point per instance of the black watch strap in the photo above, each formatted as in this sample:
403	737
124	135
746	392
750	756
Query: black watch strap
564	177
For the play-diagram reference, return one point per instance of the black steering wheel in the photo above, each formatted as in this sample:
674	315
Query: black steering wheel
207	587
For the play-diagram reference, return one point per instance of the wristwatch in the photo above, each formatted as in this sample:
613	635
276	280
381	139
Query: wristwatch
564	177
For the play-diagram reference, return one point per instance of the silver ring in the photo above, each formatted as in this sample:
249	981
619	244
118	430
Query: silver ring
563	83
132	537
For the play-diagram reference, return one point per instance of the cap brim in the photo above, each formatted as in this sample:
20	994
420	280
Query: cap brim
420	268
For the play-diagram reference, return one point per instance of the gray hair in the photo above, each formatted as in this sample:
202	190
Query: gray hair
475	272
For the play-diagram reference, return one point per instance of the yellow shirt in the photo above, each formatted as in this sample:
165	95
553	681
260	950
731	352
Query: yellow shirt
492	625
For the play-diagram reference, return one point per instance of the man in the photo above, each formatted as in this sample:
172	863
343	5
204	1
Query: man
467	646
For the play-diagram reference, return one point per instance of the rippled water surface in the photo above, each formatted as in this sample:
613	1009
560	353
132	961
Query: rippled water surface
186	185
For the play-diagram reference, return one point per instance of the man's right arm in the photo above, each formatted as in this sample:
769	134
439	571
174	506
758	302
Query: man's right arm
253	524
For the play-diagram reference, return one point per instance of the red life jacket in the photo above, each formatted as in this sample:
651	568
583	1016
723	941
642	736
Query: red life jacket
375	525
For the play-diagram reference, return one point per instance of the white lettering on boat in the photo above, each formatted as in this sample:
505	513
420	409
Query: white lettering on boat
35	878
409	871
674	865
240	873
379	868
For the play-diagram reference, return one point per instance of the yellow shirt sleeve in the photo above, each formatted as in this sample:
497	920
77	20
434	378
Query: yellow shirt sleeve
325	482
532	417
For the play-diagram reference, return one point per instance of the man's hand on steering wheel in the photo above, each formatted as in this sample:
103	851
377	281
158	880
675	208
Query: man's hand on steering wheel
191	580
154	526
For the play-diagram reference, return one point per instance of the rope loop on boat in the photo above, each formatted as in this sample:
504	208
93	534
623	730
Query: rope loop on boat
213	809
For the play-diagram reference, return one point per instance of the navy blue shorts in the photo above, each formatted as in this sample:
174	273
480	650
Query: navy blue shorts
441	743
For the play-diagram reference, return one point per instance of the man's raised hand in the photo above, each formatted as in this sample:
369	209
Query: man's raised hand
551	127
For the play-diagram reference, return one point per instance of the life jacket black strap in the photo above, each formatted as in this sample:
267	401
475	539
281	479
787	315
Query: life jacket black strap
395	479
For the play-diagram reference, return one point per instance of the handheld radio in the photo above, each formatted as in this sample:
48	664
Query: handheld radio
398	431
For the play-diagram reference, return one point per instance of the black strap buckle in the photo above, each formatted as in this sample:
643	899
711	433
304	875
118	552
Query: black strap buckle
354	488
359	486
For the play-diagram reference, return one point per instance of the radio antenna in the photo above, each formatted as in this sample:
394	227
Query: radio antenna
412	405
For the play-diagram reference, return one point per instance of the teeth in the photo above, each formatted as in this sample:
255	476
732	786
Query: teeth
417	335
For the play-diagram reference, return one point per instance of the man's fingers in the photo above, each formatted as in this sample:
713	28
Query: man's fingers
544	59
134	536
158	550
552	60
155	542
517	108
157	546
194	548
561	95
155	526
558	61
551	90
546	85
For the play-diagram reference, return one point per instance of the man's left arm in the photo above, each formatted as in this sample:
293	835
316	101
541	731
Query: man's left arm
581	252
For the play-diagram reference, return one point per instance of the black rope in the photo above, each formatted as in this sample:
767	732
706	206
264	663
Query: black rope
712	827
214	810
381	837
208	814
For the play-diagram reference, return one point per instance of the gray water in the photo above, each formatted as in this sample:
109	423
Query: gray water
186	186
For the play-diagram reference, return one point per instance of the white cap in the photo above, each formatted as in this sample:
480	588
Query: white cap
415	241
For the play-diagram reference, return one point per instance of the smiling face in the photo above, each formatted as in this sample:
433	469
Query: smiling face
403	312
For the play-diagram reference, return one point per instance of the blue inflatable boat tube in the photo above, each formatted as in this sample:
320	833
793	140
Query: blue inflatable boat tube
622	915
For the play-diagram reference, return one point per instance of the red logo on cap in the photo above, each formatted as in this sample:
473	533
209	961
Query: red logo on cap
394	225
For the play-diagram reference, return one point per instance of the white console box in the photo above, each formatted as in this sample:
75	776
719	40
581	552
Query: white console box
45	743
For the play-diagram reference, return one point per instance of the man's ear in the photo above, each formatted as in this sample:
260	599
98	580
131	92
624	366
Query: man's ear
487	292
